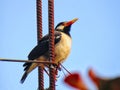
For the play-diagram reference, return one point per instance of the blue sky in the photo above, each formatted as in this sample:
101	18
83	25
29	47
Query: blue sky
96	39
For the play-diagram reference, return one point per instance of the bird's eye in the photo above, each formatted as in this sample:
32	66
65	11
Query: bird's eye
61	27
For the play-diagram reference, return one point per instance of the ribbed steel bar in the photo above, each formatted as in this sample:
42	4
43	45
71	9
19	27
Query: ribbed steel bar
39	19
51	43
39	36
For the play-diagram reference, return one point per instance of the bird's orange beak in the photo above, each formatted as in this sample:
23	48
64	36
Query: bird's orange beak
70	22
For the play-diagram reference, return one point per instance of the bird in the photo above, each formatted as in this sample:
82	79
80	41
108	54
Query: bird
62	42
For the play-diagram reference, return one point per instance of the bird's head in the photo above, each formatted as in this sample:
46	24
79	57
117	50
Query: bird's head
65	26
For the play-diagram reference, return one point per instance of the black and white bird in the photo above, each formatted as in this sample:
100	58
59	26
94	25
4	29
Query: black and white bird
62	41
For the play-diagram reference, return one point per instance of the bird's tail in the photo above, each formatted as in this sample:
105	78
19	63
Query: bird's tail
23	77
28	69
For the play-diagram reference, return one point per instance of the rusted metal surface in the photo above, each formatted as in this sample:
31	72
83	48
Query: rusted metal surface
39	36
51	43
39	19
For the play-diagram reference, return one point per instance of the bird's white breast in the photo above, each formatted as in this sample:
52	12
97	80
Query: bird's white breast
62	48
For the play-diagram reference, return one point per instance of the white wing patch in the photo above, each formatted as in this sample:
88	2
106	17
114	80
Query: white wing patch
61	27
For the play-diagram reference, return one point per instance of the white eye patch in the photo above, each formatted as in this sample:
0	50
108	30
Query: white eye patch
61	27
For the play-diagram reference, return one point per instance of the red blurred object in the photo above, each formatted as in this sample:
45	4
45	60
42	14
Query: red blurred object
104	83
94	77
75	80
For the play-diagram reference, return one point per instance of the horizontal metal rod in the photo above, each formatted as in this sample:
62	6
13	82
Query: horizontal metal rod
29	61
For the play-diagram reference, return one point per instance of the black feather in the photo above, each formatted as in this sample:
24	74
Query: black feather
23	77
41	48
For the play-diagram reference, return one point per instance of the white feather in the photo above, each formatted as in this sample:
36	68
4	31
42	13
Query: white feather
62	48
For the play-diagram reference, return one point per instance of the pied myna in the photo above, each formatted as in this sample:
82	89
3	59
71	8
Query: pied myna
62	41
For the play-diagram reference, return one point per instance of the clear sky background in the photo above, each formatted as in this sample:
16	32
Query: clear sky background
96	39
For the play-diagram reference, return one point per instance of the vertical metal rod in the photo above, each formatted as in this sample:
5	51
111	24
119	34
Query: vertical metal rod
39	36
51	43
39	19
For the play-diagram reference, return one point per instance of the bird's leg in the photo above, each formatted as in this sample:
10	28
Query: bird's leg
46	72
59	66
65	68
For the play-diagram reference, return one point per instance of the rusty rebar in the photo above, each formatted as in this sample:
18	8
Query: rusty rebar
39	19
39	36
51	43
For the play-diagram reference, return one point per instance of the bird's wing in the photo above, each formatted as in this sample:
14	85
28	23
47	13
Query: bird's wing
42	47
